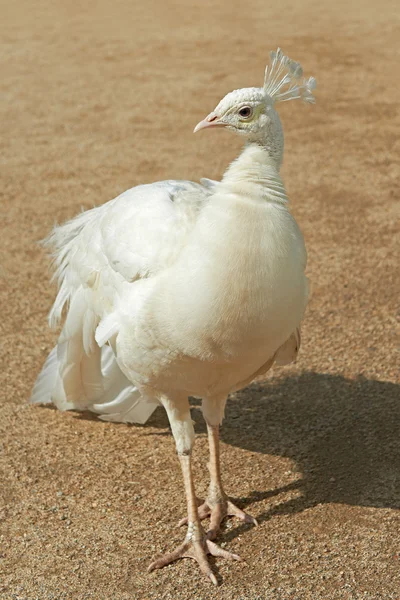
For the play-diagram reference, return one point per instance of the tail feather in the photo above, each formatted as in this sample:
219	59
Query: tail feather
118	401
46	381
92	375
141	411
81	373
128	406
93	383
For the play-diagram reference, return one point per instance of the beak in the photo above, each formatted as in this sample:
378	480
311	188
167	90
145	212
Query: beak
210	121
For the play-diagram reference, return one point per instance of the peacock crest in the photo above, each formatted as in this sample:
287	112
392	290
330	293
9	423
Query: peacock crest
284	80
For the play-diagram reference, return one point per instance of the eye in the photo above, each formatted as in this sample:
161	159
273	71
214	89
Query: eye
245	112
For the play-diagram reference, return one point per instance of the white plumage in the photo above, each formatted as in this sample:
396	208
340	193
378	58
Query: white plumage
178	288
102	257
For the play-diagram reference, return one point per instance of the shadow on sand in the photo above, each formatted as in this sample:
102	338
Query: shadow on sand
343	436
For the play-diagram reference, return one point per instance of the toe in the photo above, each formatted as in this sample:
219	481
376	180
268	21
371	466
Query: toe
247	518
234	511
218	551
196	549
183	521
212	534
199	553
166	559
217	514
203	510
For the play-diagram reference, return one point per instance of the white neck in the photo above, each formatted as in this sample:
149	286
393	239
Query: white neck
256	173
271	138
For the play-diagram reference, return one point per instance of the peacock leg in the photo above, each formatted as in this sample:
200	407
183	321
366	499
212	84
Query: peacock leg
217	505
196	545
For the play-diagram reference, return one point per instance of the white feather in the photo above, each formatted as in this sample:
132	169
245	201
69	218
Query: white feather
46	381
177	288
95	256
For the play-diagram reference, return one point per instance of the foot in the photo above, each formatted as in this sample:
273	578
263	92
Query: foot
195	546
217	511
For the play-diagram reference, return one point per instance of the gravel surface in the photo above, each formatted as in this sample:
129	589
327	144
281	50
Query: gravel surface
97	97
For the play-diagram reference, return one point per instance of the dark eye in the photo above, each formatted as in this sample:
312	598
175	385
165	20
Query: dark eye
245	112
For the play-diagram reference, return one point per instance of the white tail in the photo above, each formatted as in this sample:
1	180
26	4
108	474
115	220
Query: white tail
101	388
78	373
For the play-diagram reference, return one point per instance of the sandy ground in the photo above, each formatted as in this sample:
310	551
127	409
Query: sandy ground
99	96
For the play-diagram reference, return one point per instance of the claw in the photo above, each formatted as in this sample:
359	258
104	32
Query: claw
217	513
218	551
197	550
234	511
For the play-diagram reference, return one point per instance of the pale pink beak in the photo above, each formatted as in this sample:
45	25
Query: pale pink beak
210	121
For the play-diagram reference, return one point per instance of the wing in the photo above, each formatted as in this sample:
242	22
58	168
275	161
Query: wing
131	237
209	183
145	228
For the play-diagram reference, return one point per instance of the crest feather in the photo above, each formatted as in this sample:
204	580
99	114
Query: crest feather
285	74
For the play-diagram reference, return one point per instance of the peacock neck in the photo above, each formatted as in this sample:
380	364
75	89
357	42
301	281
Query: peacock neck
273	150
256	172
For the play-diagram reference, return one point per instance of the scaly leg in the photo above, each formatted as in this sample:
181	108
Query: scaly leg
195	545
217	506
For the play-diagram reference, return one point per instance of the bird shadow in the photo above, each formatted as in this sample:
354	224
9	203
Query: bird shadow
342	436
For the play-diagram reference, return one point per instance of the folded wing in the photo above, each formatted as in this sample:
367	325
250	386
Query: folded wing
132	237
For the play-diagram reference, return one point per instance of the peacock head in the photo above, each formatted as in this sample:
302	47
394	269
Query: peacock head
251	111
